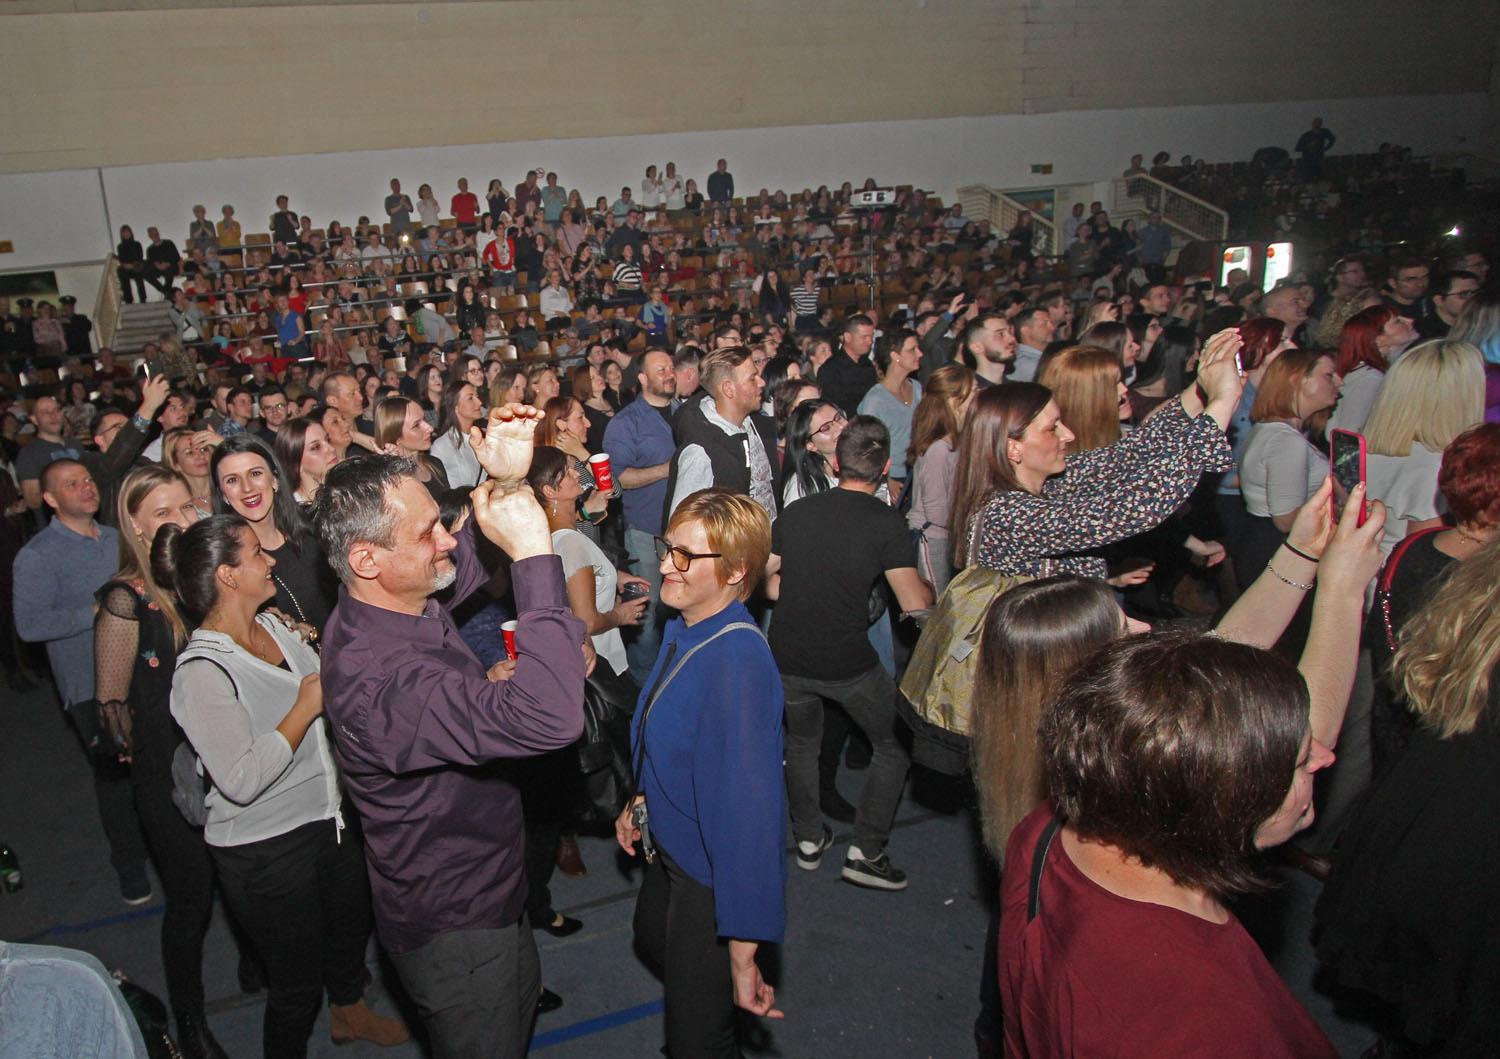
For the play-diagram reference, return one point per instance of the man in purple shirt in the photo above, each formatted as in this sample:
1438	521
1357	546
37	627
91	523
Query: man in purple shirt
415	717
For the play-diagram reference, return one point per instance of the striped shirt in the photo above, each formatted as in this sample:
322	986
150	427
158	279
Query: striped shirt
628	276
805	301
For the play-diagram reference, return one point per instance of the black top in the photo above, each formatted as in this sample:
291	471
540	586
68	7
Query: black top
834	548
306	589
1421	569
845	382
130	622
1409	912
129	252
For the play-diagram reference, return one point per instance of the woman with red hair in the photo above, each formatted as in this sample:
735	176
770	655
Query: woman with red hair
1369	344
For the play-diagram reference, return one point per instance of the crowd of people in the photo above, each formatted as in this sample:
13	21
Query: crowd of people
695	563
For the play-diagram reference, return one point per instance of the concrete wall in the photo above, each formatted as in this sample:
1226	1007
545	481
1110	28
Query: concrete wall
89	87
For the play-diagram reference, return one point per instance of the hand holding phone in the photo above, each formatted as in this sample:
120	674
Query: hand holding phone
1347	454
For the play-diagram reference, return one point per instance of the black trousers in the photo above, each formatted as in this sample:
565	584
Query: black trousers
117	812
187	875
131	274
304	900
676	930
549	787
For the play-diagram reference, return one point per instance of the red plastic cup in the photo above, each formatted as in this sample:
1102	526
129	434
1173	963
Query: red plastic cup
603	477
508	631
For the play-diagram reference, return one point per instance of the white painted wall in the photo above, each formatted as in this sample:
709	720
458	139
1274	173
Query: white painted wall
59	216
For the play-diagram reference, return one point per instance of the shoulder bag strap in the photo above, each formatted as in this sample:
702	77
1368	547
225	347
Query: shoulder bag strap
1388	578
669	671
1038	862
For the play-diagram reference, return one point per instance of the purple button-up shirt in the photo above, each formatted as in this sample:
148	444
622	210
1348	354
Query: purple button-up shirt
415	718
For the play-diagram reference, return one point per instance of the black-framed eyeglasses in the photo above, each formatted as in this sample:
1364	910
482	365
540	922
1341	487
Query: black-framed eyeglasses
838	417
681	557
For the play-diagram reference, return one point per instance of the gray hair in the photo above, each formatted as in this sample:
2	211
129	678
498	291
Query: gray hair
352	507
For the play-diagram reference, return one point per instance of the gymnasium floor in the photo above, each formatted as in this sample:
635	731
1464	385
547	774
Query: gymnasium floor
864	973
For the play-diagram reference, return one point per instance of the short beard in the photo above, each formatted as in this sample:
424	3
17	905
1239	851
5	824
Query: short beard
445	578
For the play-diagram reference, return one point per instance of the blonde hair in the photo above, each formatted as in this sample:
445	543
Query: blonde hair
1431	395
135	551
1085	383
1449	649
737	527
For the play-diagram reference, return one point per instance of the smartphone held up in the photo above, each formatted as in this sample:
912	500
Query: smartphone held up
1347	454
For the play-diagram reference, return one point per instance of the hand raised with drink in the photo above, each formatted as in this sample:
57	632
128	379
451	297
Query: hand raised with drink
505	444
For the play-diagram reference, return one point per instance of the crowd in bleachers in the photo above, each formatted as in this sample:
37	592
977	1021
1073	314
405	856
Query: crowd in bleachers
886	437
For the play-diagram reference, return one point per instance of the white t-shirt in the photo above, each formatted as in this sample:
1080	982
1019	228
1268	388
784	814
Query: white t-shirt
1279	470
576	552
1356	399
1407	486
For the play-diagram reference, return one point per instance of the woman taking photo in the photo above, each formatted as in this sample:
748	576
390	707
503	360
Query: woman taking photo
303	449
248	482
137	633
706	748
1019	513
402	430
936	426
893	399
462	409
246	693
1281	468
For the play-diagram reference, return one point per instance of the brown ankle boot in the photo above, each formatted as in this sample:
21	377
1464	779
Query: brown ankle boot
356	1022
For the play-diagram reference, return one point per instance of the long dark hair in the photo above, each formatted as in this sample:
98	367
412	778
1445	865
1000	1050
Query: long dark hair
284	510
812	472
184	561
1000	414
447	416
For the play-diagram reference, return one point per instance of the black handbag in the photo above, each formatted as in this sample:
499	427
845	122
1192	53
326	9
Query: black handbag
603	755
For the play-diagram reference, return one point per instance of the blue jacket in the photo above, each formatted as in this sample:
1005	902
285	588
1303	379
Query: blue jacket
712	771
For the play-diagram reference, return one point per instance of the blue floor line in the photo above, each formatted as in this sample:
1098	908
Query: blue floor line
96	924
599	1024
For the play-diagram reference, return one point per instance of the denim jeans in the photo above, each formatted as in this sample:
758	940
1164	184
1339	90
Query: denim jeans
870	701
643	642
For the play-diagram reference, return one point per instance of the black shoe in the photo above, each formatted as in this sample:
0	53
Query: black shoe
194	1039
569	925
135	885
875	873
547	1001
810	854
835	806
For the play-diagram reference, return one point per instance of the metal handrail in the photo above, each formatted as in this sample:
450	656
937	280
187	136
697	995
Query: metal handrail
1002	210
1194	217
107	304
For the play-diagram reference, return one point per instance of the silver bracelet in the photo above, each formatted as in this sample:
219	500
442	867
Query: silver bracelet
1287	580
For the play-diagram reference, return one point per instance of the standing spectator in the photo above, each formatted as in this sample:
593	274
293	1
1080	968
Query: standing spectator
132	265
707	748
554	197
849	374
723	439
829	550
447	884
465	206
1153	244
284	222
399	209
1370	342
78	330
163	262
640	446
1406	288
720	183
936	427
894	399
1034	329
247	694
652	191
55	577
428	210
228	229
1312	145
201	234
48	444
1452	294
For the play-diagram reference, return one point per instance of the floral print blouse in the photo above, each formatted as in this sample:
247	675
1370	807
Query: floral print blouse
1103	496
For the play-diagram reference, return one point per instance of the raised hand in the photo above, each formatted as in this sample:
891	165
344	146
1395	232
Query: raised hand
504	446
512	519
